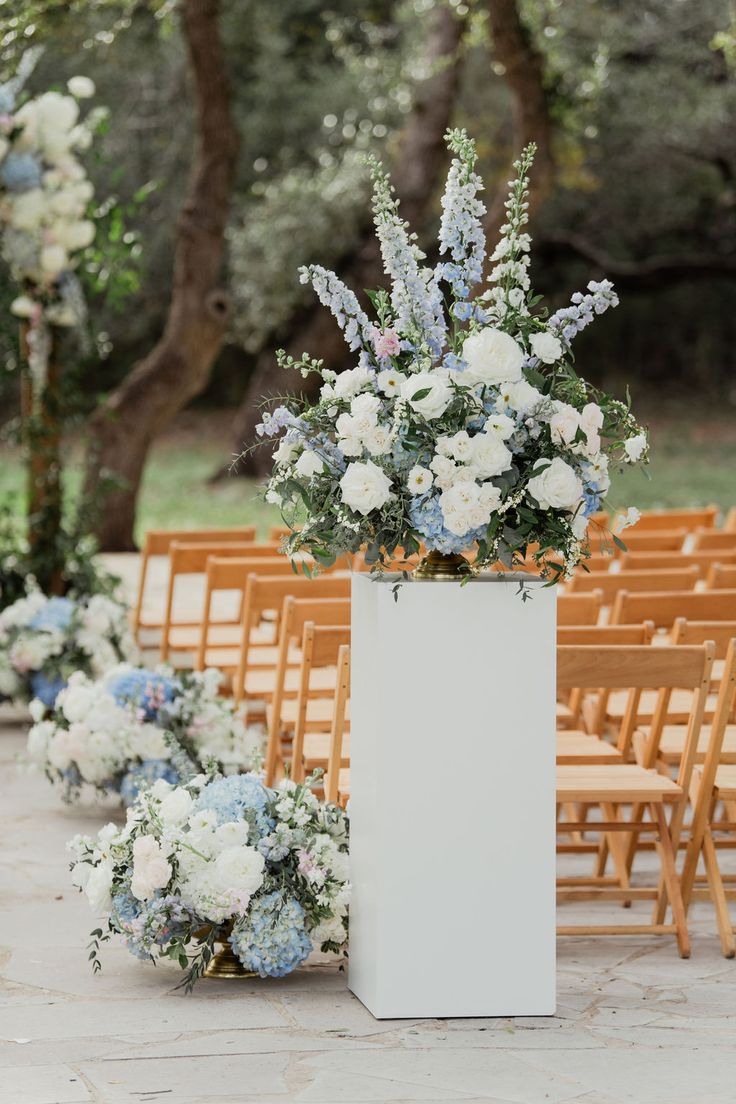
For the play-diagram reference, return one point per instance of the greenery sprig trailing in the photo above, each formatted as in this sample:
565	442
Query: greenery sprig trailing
464	424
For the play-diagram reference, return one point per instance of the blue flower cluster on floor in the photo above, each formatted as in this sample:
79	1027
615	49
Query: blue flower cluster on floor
144	689
46	689
145	774
54	617
272	940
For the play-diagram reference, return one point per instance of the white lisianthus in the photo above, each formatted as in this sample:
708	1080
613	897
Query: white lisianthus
564	423
492	357
500	424
546	347
635	447
437	398
365	487
419	480
489	456
82	88
309	464
390	382
557	486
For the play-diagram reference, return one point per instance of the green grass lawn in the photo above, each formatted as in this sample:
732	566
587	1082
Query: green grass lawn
690	466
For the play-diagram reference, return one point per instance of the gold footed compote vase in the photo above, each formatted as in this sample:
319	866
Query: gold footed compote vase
225	963
440	567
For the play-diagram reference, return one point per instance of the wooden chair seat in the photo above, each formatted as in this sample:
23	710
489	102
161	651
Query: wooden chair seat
678	712
575	747
565	716
725	781
319	713
622	782
672	743
261	684
317	750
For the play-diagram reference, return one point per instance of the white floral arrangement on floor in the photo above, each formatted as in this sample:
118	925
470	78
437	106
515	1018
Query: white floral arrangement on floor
44	198
133	726
44	640
464	425
220	858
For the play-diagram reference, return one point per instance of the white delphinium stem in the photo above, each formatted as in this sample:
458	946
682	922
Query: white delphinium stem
343	303
461	229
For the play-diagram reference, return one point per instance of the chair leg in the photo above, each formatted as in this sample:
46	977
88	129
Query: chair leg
718	896
617	849
671	881
601	858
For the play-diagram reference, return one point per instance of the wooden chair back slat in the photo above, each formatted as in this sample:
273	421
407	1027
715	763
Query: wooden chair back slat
720	633
701	518
579	609
614	667
656	561
321	646
606	634
337	732
654	540
610	583
714	540
721	576
664	608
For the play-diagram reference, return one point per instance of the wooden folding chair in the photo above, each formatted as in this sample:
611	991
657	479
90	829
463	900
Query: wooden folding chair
664	608
690	519
219	639
579	609
729	524
714	540
610	582
264	594
721	576
157	543
656	561
337	779
315	706
613	787
714	782
189	560
654	540
280	686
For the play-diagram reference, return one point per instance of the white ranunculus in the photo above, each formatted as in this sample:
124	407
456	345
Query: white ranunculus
557	487
489	456
365	487
309	464
492	357
546	347
635	447
22	307
438	393
564	423
54	260
98	886
82	88
419	480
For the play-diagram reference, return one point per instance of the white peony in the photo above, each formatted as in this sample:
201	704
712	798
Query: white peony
492	357
81	87
635	447
419	480
151	868
489	456
546	347
365	487
309	464
557	487
438	393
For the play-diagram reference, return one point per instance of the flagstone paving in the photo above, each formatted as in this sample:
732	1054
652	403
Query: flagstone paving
634	1022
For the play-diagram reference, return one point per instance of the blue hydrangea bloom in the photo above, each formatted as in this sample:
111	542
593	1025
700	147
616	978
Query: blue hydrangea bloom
426	517
272	939
239	797
145	774
20	172
46	689
55	615
144	689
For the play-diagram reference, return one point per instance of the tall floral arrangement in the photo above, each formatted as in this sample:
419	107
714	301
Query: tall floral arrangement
216	859
464	423
133	726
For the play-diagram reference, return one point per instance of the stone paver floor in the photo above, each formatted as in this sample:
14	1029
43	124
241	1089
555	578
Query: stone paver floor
634	1022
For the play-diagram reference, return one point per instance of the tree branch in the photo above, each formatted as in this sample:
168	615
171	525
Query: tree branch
640	275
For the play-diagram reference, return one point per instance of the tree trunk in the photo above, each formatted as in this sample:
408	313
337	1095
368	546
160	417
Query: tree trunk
179	367
419	159
41	433
523	68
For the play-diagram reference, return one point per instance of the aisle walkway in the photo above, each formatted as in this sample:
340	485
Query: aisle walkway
634	1022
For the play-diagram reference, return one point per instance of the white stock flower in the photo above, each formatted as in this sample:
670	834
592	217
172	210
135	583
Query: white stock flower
492	357
81	87
365	487
419	480
546	347
635	447
557	487
437	398
309	464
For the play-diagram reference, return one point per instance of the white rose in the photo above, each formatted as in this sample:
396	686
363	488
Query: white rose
151	869
489	496
462	509
489	455
546	347
460	446
365	487
492	357
419	480
81	87
591	419
176	806
240	868
365	404
445	470
390	382
564	423
635	447
558	487
98	886
379	441
309	464
437	399
520	396
349	383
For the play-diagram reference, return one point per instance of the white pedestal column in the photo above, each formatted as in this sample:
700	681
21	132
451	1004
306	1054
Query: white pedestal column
452	809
